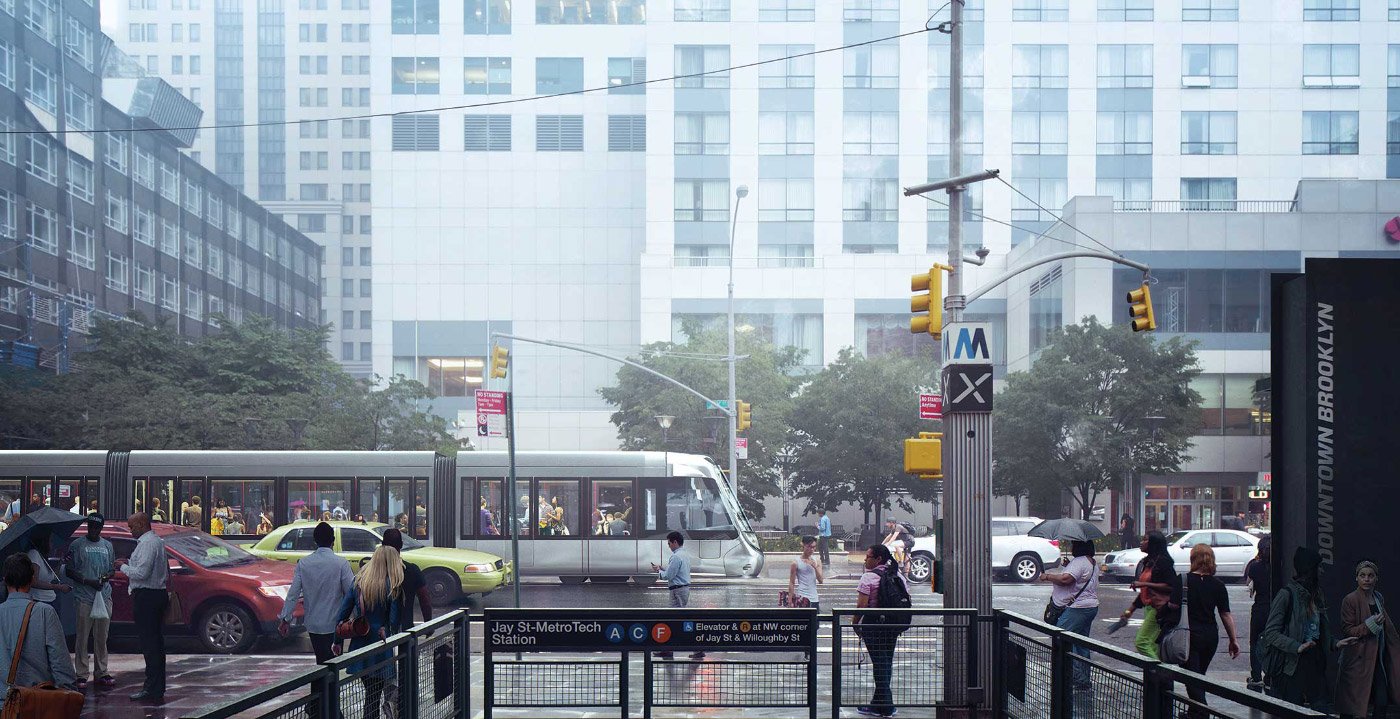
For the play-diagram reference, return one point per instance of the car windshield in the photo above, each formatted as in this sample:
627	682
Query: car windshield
409	543
206	551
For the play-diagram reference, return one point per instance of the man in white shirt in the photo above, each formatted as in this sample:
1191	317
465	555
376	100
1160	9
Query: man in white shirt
149	575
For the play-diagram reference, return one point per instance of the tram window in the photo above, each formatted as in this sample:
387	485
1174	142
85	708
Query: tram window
408	506
369	509
490	520
248	504
558	508
69	496
612	513
192	505
318	499
690	505
92	492
153	497
10	498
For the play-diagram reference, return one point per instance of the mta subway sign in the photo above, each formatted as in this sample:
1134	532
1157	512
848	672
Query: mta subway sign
967	343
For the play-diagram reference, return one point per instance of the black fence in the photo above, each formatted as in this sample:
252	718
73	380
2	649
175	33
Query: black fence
913	665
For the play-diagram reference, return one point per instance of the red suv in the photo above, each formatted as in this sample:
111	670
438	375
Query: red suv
227	596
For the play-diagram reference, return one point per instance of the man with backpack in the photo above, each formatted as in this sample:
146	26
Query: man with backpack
882	586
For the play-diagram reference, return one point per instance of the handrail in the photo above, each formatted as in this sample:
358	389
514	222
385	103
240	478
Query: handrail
433	624
248	701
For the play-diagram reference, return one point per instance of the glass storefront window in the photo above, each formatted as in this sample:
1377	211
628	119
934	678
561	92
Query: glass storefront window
559	508
612	510
1242	407
243	506
318	500
369	508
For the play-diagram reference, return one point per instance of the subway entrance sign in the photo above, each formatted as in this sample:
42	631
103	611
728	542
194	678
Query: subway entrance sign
967	343
554	630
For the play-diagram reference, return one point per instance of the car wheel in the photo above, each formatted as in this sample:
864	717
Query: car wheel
443	588
226	629
920	568
572	580
1026	567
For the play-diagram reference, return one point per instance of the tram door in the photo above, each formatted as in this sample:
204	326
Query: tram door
611	548
153	496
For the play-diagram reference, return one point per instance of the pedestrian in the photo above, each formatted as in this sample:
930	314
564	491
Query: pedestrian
804	576
824	537
1205	597
880	568
46	586
899	540
192	515
414	586
1260	577
43	657
235	525
157	514
1127	532
1159	594
1297	636
91	562
1077	590
677	577
374	596
1236	522
321	581
148	573
488	524
1370	671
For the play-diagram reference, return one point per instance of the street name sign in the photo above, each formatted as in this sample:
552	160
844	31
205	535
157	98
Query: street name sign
930	406
721	404
490	413
969	387
967	343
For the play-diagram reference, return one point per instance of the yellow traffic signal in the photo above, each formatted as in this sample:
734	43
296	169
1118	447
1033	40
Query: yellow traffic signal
500	359
1140	309
745	416
928	289
924	455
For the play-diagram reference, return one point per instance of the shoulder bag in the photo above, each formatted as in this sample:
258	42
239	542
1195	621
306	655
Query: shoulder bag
43	701
1053	611
355	626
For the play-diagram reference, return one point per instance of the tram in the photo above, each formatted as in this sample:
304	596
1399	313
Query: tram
602	516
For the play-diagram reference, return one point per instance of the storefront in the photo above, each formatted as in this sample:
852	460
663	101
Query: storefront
1200	501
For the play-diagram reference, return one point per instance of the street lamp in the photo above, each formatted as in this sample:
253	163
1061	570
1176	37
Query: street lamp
665	420
740	193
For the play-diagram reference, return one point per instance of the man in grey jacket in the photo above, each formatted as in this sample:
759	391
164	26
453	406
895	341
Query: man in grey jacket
322	579
44	656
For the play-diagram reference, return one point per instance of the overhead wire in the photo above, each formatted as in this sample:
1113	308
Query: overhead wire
1034	233
1058	218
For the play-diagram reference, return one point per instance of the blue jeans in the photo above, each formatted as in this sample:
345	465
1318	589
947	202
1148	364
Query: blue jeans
1079	621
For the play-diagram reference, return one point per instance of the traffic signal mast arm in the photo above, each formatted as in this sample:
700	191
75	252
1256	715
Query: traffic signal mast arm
1003	277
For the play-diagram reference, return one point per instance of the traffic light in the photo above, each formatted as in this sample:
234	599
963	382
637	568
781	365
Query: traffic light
924	455
500	358
1140	308
928	297
745	415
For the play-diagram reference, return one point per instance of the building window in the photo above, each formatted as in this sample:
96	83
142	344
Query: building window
487	17
80	109
446	376
1042	66
43	159
786	133
559	133
866	199
1125	10
8	63
1047	294
365	319
1210	10
788	256
194	251
1203	300
1050	192
42	18
215	260
116	214
42	89
590	12
8	142
1331	66
1208	194
414	17
870	133
143	227
1040	10
80	178
702	200
1332	10
1131	193
43	229
118	268
9	211
1208	133
486	133
702	256
1125	66
486	75
787	10
169	238
170	292
702	133
1394	11
365	288
1125	133
415	76
1210	66
558	75
1330	133
145	287
1039	133
143	168
415	133
627	133
871	66
702	11
314	190
311	222
786	200
82	248
939	132
627	75
194	303
870	11
1392	133
790	66
169	183
702	66
365	254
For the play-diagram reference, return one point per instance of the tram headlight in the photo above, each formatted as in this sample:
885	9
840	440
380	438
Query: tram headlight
479	568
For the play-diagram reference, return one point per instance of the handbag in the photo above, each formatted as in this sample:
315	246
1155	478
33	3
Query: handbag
1053	611
354	627
43	701
793	601
1176	645
173	613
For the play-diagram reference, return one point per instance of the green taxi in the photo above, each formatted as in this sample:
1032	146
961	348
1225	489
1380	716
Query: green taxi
449	573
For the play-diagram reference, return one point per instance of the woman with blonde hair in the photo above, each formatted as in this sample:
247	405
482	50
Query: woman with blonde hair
1205	596
375	596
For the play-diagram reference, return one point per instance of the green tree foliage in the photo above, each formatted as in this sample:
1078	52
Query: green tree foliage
765	379
849	426
143	386
1077	420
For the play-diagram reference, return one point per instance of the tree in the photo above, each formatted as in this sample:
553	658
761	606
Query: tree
849	426
765	379
1078	419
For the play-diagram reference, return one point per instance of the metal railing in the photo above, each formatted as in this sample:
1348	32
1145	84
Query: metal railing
913	666
1203	205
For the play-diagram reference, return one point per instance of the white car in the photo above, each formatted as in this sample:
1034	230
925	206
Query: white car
1012	551
1233	550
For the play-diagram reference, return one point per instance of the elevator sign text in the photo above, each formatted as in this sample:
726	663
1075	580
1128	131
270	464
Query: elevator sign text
530	630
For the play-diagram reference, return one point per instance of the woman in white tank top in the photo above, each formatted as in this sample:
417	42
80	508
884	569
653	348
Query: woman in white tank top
806	574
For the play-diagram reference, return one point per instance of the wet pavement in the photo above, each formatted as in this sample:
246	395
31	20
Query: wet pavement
192	681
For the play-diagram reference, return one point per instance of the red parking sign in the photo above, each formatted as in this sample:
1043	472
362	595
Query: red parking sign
930	406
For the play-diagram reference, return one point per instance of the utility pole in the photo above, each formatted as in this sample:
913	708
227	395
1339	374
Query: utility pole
740	193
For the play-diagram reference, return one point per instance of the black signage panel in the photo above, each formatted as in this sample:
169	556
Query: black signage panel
968	388
552	630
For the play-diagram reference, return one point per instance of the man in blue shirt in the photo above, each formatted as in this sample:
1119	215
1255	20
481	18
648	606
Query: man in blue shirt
322	579
677	576
44	654
91	563
824	538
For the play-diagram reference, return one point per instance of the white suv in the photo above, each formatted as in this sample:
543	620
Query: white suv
1012	551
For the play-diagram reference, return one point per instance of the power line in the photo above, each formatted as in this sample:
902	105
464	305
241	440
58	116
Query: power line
494	103
1035	233
1058	218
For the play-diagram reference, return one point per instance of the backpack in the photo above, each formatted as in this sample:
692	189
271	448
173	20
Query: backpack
891	594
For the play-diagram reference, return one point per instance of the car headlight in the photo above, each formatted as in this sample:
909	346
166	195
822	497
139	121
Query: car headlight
277	590
479	568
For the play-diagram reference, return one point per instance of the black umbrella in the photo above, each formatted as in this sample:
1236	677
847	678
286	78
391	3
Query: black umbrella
1066	530
55	523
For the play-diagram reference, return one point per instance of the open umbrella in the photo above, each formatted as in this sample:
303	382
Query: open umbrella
56	523
1066	530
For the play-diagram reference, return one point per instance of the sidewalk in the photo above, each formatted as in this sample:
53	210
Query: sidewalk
192	681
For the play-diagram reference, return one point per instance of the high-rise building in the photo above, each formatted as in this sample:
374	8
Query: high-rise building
289	70
102	213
